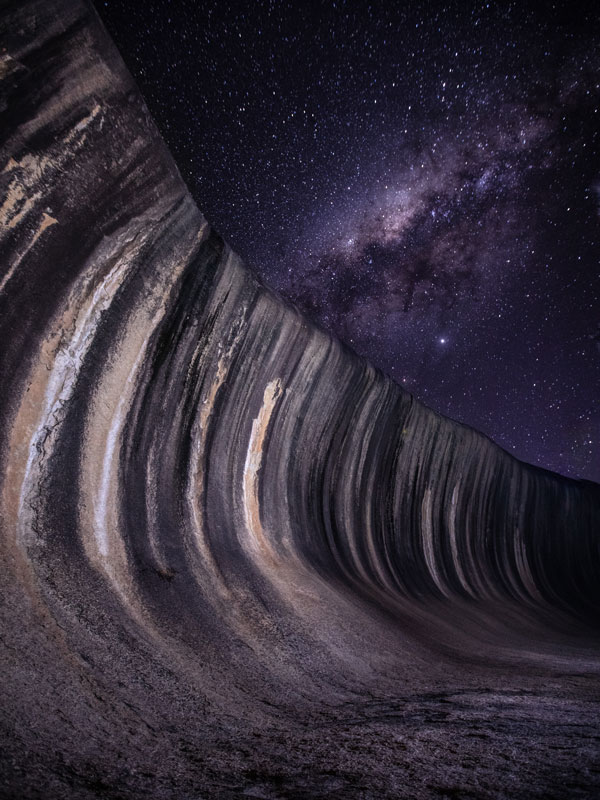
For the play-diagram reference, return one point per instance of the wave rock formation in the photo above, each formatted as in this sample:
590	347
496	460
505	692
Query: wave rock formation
236	559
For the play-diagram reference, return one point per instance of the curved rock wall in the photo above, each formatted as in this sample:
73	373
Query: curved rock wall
232	550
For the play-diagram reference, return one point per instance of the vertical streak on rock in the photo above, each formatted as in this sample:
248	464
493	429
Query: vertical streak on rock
60	386
429	546
258	539
456	560
105	505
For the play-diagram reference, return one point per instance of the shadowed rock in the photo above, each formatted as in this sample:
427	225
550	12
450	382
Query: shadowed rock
237	560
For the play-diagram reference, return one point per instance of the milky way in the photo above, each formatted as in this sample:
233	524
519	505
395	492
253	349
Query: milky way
425	183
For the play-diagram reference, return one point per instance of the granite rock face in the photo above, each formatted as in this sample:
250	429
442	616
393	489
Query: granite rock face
236	559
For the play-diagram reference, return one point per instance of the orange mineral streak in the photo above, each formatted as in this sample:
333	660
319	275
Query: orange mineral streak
260	426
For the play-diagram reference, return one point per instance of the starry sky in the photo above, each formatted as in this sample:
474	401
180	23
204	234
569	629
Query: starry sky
421	178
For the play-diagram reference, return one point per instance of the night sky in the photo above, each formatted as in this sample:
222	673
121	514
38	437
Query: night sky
423	179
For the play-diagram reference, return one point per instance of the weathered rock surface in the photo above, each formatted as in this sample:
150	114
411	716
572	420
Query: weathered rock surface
236	560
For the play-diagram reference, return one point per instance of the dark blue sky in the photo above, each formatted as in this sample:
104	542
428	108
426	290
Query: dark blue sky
424	182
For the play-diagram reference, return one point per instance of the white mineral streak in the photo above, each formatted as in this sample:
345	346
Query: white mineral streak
428	543
31	170
7	64
456	559
16	204
352	480
523	568
472	541
106	419
260	425
60	387
81	126
376	548
26	188
33	167
198	465
102	509
45	223
197	462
